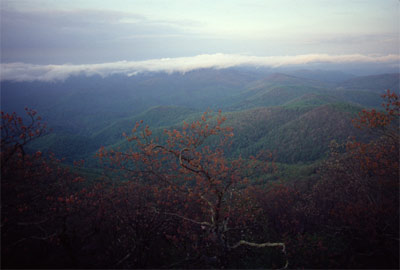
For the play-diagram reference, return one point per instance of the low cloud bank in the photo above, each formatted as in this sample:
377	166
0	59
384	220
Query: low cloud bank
31	72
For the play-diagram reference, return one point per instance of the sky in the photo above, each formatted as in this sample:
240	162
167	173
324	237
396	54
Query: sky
41	35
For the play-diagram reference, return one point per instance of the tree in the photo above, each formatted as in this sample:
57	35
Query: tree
357	198
208	192
15	135
37	196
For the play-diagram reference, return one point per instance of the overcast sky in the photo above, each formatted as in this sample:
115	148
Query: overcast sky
59	32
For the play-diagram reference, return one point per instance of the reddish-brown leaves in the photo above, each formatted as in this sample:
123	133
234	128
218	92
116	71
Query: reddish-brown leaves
380	119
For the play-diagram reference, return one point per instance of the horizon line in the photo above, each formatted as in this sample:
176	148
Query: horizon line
20	71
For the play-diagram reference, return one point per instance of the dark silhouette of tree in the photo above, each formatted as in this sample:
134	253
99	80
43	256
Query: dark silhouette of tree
37	193
208	191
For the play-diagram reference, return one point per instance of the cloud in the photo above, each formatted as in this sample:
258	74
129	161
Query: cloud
87	35
32	72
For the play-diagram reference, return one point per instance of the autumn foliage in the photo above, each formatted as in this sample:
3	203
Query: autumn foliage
174	200
194	184
358	197
37	193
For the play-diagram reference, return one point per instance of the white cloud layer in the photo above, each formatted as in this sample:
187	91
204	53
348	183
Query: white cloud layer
31	72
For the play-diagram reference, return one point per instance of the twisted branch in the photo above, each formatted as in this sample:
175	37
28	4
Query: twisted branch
267	244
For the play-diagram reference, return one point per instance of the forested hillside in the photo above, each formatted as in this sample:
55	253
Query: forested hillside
212	168
96	111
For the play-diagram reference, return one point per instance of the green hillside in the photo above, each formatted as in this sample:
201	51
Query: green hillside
306	137
311	99
160	116
296	132
280	112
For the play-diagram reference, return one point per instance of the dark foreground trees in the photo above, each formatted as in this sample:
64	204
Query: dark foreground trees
177	202
196	188
357	198
172	203
35	192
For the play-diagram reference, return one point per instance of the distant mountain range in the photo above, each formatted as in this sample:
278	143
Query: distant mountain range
295	114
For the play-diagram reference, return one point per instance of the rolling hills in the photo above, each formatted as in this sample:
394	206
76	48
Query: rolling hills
294	117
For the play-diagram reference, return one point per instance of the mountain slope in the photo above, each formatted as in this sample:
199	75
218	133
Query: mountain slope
294	133
277	89
307	137
280	112
374	83
85	105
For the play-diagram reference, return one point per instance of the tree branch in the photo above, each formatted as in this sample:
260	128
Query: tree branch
267	244
203	223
